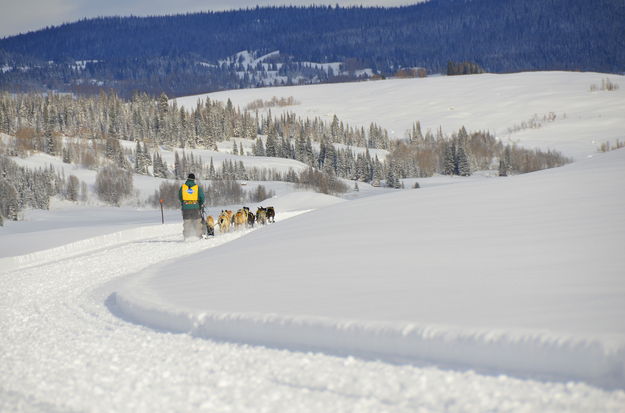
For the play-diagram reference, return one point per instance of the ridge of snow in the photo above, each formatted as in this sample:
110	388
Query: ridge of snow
531	354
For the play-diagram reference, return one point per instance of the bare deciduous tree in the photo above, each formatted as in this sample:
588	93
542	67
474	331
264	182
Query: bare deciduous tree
113	184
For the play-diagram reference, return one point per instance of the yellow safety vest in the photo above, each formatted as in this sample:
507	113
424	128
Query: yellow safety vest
190	193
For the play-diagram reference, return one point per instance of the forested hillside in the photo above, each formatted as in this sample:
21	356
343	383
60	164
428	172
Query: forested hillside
93	133
193	53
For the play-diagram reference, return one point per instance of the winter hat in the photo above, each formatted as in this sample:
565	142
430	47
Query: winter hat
191	176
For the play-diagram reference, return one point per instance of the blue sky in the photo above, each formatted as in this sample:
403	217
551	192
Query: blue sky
20	16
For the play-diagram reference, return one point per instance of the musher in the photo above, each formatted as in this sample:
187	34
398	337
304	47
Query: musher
191	198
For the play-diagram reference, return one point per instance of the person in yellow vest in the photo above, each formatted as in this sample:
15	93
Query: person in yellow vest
191	198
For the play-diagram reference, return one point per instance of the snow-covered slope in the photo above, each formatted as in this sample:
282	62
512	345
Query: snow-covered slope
548	110
519	275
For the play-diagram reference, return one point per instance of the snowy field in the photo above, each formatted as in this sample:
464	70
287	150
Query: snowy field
470	294
499	103
438	312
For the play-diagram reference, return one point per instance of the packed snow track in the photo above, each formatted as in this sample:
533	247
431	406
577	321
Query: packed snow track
62	349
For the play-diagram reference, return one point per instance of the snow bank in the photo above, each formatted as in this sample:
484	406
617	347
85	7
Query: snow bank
531	354
517	275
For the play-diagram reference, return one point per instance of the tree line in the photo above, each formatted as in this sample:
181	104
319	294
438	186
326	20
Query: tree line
89	131
39	122
159	122
223	190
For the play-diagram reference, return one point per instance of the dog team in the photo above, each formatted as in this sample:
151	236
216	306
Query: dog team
243	218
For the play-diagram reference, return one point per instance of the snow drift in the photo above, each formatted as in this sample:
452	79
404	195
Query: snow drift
530	354
515	275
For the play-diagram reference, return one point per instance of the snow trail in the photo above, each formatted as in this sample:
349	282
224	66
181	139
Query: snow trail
63	350
83	246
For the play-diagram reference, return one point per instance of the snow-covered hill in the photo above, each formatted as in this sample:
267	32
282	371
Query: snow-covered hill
547	110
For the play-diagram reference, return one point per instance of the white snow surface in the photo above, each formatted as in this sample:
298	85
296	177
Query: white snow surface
517	275
470	294
42	231
67	344
499	103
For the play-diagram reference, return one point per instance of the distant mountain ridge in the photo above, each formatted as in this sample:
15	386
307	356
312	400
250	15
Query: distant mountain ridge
185	54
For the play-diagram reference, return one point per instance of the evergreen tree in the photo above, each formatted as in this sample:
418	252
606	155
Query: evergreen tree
504	162
462	160
9	204
161	118
449	159
503	170
377	170
211	170
416	135
330	161
156	165
178	167
159	166
392	180
111	148
72	188
66	156
309	154
49	140
241	173
335	132
259	147
270	146
145	153
121	161
140	166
